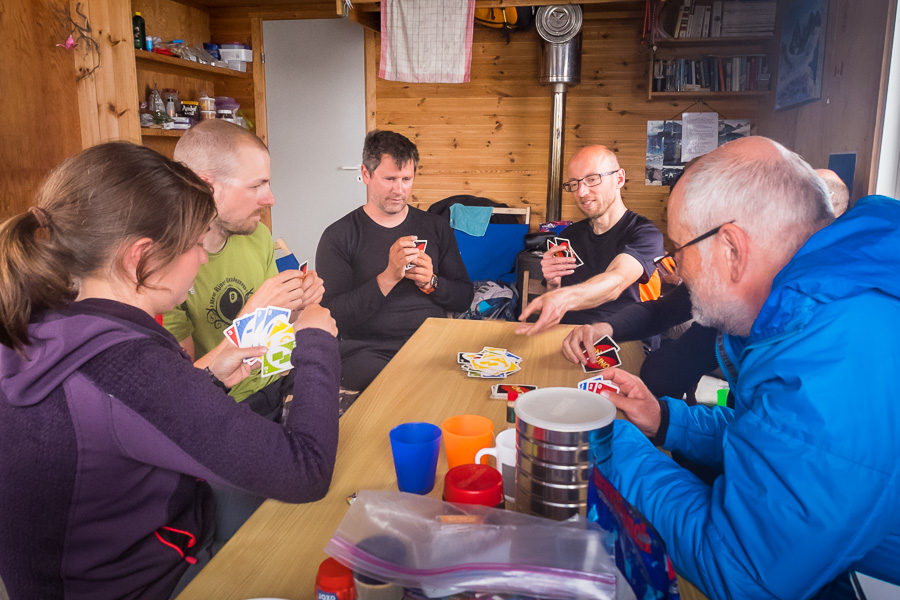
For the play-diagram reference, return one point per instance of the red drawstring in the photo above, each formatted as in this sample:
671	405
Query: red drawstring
191	541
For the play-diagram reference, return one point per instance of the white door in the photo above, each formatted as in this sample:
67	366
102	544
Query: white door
316	108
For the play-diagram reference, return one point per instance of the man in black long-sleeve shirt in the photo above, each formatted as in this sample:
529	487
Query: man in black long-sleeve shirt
378	286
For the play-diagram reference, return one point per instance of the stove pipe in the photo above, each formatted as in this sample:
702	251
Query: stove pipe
560	66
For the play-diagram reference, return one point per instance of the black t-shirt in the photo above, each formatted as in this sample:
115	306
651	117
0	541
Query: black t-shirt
646	319
634	235
354	250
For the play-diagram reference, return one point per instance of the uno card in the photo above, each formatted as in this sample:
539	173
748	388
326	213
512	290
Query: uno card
492	350
304	267
606	343
258	336
602	360
272	313
420	246
570	251
500	391
280	343
231	333
244	326
597	384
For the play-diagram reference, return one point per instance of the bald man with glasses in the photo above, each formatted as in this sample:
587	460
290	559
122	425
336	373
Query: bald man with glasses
617	246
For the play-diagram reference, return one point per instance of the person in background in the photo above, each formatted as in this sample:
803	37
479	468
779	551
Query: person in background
808	480
617	246
241	275
110	433
379	287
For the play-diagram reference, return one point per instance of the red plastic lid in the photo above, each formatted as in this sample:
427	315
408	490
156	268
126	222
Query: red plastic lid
333	576
474	484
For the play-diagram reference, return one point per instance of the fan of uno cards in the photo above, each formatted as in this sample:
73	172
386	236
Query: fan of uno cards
602	355
598	384
270	327
489	363
563	247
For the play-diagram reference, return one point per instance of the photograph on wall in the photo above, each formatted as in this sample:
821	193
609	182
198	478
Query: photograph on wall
664	161
663	152
801	53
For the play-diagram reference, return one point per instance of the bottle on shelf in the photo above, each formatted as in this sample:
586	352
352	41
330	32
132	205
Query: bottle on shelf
140	31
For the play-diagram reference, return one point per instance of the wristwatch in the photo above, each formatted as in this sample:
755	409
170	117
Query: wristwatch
432	285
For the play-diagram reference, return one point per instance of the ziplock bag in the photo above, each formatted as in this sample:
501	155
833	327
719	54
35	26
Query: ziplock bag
443	549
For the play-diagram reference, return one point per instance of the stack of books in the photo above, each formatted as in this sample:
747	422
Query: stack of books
744	73
725	18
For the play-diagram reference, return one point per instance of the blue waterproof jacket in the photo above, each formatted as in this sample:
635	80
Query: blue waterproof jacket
810	455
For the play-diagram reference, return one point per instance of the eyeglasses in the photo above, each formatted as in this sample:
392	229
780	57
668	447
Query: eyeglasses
589	180
699	238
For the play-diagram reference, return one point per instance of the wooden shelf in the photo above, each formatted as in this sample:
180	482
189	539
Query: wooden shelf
710	41
706	94
187	66
154	132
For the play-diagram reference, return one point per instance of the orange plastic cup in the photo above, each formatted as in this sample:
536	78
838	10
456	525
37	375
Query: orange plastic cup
464	436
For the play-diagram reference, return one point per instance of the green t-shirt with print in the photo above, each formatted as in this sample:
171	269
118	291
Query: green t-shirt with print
219	292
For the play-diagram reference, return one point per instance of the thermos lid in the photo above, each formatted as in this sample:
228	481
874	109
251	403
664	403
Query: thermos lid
565	409
474	484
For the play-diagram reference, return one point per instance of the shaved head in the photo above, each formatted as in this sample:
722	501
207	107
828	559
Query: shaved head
210	148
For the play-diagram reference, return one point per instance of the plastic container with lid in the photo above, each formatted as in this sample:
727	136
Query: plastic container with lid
474	484
334	581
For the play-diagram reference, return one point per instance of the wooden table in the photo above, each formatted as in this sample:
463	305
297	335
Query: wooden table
277	551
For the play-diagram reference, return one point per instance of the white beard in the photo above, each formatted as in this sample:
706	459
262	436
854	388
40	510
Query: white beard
713	306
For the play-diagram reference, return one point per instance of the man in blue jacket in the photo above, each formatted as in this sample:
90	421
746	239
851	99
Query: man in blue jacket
809	488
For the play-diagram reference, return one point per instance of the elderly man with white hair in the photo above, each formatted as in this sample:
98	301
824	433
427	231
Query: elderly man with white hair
809	483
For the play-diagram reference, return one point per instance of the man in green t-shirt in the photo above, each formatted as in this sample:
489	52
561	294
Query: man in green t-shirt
240	275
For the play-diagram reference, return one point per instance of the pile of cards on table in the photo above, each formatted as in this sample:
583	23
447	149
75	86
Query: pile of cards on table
270	327
563	247
602	355
489	363
597	384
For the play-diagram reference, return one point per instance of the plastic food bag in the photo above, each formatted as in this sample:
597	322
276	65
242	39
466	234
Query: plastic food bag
443	549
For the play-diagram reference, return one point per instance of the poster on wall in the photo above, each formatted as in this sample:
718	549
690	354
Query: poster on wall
801	53
664	162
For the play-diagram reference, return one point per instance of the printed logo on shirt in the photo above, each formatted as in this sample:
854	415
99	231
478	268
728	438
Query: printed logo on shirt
227	300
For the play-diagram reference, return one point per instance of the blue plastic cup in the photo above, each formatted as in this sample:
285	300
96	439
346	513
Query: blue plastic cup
415	447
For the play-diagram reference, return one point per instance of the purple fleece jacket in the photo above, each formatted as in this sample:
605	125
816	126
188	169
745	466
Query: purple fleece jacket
108	435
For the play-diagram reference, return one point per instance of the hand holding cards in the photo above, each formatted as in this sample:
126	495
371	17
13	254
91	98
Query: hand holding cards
270	327
420	246
562	247
597	384
603	354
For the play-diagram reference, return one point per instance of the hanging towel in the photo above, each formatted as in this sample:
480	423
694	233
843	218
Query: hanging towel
426	41
470	219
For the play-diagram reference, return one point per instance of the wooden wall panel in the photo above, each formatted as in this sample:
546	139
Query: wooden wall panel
173	20
38	99
490	137
845	119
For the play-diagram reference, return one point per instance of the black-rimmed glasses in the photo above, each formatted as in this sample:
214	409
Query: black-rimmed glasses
589	180
699	238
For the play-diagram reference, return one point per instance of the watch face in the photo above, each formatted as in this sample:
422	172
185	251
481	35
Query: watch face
434	280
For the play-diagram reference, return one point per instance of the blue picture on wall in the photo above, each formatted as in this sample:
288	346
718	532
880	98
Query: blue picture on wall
801	53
